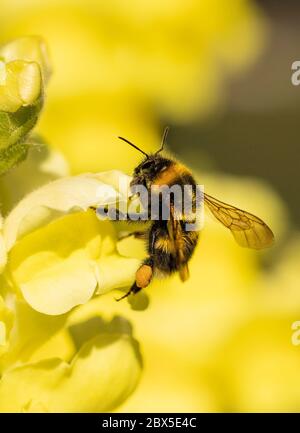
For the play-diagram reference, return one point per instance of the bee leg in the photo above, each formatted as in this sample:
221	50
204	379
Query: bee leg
133	289
142	278
136	235
142	217
116	215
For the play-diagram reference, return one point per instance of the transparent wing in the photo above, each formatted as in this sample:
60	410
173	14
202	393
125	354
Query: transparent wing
247	229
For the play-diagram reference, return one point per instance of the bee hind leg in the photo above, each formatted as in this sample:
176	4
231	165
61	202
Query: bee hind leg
133	290
143	277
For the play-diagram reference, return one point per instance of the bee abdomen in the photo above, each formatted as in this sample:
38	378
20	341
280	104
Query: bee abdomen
165	257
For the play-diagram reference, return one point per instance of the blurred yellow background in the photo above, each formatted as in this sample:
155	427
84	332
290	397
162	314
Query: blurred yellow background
218	72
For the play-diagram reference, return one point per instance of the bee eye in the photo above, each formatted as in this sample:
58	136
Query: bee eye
147	165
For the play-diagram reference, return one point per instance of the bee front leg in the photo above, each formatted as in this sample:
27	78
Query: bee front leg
116	215
143	277
137	235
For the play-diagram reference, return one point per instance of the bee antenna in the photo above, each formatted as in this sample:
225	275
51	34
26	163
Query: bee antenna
133	145
164	138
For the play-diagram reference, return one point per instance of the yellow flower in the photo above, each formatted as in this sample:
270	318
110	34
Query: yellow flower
54	267
30	49
21	85
101	373
24	69
59	253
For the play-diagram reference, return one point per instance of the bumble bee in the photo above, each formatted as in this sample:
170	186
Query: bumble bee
170	246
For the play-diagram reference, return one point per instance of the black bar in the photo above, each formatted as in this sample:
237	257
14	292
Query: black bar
102	422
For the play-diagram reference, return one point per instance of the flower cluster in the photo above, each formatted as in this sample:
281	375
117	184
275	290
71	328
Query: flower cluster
51	269
54	256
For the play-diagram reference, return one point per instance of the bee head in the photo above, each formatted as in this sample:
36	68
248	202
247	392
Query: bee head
146	172
152	164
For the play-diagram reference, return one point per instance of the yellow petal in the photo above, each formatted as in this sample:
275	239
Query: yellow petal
10	98
3	257
122	268
31	330
57	198
6	322
61	286
30	49
100	377
53	267
30	83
